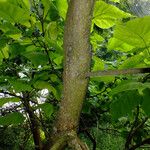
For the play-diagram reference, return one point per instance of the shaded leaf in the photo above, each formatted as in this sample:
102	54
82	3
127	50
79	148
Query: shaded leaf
129	85
46	108
37	58
14	118
9	99
45	85
20	85
124	103
146	101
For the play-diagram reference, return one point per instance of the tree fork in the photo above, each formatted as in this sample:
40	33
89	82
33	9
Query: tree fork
76	64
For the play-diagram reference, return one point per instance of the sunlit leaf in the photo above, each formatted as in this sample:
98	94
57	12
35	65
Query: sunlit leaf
135	32
46	6
105	15
62	7
52	30
135	61
98	64
96	39
13	13
116	44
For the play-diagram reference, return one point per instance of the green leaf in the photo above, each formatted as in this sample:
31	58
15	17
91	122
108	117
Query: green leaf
3	41
10	30
20	85
45	85
147	60
116	44
47	109
55	45
4	52
58	60
124	103
135	61
37	58
135	32
54	78
16	49
107	79
96	39
129	85
42	75
8	99
53	12
62	7
98	64
146	101
52	30
47	5
106	15
116	1
13	13
21	3
14	118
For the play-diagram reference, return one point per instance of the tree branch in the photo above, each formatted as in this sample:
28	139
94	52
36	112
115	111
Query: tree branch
118	72
132	133
10	94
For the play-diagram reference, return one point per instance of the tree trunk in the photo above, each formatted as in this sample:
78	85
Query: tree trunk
76	64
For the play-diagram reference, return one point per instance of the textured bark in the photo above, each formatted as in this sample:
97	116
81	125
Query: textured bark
76	65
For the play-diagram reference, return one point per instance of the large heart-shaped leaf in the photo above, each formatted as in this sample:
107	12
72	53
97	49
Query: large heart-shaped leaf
105	15
135	32
129	85
124	103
